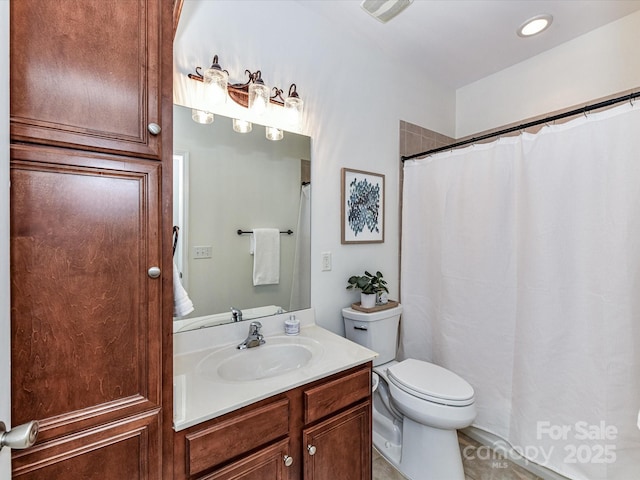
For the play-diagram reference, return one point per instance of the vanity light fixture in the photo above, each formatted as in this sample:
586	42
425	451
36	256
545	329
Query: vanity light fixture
200	116
216	79
253	94
258	95
241	126
535	25
293	106
274	134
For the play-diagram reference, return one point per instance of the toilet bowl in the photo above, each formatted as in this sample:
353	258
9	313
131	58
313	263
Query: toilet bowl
417	406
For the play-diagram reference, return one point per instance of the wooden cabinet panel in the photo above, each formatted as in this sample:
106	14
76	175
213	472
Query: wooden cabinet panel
330	397
342	446
86	318
267	464
87	73
121	450
236	435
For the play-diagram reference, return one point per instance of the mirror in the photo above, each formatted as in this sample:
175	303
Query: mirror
224	182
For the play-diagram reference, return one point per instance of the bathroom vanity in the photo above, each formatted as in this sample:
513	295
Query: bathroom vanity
310	419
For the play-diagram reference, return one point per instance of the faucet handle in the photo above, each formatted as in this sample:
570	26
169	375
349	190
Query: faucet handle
236	315
254	328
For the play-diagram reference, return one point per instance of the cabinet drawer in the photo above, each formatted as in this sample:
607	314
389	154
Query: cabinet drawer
332	396
266	464
237	435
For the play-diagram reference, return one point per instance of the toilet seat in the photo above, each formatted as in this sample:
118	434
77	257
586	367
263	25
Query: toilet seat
431	382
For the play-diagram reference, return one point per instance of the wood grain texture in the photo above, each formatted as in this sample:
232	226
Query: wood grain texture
268	463
237	435
332	396
125	449
342	446
86	73
91	332
86	325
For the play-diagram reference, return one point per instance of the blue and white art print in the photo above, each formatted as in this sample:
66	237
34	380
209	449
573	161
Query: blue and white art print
362	207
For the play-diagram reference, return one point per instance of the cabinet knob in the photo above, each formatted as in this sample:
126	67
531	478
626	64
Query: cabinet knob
154	272
288	461
154	128
312	449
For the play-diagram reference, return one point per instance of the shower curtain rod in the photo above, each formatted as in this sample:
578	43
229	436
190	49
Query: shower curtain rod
524	126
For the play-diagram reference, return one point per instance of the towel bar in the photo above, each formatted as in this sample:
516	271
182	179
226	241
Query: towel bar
240	232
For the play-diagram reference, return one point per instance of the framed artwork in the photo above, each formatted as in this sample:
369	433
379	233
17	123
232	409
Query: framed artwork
362	206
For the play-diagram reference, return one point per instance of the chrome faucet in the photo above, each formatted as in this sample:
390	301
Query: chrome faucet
236	315
255	338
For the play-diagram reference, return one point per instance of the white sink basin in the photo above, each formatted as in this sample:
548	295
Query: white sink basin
278	356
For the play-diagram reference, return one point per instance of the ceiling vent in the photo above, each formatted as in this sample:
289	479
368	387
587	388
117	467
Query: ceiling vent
384	10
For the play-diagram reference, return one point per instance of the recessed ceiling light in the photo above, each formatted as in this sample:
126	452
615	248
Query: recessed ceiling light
384	10
535	25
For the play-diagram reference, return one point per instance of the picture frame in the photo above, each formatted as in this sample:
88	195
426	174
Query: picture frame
362	207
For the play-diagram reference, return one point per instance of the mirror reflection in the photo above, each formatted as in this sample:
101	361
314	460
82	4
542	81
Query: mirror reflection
225	182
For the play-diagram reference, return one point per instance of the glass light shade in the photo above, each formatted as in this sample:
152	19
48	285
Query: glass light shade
216	82
274	133
241	126
200	116
293	107
258	98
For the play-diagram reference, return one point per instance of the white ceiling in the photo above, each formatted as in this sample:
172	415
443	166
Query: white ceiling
460	41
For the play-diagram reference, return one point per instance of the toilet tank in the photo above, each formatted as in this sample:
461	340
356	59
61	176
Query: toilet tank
378	331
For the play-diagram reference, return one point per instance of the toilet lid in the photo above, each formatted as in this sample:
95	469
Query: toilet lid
431	382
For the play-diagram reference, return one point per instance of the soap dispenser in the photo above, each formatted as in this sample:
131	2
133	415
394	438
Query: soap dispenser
292	325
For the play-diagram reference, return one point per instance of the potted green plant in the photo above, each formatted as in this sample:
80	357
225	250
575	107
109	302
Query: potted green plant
371	287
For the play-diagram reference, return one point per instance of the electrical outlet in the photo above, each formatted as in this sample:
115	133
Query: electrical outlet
204	251
326	261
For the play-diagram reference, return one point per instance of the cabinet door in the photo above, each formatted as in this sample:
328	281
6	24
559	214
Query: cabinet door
339	447
86	326
86	73
267	464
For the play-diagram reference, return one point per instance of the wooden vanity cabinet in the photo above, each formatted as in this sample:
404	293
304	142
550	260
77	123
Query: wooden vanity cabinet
319	431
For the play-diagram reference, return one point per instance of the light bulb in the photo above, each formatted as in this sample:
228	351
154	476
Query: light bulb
200	116
293	106
258	97
535	25
274	134
216	81
241	126
293	110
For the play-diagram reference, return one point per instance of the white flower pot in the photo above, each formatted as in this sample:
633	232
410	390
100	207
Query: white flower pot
367	300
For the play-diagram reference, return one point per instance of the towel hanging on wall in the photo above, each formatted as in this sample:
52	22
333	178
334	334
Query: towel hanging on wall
182	304
265	245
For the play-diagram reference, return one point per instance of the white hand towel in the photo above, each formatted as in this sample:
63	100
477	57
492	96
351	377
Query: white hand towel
182	304
265	244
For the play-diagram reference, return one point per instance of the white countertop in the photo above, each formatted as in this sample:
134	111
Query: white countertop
198	398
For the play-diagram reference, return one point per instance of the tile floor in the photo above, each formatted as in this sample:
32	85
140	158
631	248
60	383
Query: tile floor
474	468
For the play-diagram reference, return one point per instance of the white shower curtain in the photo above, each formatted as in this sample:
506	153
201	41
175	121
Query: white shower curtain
301	283
521	273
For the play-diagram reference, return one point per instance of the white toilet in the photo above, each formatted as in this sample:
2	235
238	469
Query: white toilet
417	406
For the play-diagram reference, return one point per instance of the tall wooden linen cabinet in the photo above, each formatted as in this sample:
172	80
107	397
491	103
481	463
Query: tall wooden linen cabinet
91	287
